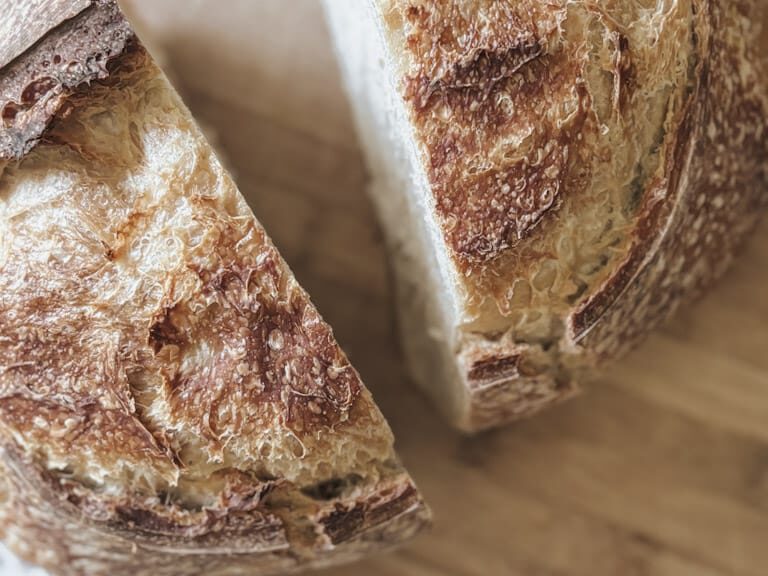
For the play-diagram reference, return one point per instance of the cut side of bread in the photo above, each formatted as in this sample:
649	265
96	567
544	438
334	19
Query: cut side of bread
170	400
554	178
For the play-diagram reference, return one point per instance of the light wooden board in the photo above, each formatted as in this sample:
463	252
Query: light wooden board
660	469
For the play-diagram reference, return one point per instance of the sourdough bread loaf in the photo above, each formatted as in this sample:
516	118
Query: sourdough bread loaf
170	400
555	178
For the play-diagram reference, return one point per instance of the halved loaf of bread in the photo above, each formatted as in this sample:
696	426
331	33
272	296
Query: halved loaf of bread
170	401
554	178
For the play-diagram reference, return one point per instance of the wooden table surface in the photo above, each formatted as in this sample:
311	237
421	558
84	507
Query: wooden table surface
660	469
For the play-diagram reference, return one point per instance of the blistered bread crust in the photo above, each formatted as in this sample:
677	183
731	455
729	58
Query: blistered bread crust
591	165
170	400
714	190
462	102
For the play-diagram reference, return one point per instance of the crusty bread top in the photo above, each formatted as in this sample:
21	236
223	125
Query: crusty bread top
160	368
467	54
130	263
544	128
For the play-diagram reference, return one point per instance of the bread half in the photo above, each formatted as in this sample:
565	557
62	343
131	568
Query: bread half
555	178
170	401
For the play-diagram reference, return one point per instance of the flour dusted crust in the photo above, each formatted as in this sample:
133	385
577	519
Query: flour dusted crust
585	168
170	400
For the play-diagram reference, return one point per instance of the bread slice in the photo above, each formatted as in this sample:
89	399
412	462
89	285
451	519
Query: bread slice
554	178
170	400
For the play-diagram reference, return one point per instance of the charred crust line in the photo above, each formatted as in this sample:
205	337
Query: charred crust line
483	213
129	520
656	208
243	525
35	85
716	210
344	522
479	71
493	368
625	74
492	381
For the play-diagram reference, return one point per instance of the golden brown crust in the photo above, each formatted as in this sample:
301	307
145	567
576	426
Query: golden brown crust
715	188
473	83
590	167
169	397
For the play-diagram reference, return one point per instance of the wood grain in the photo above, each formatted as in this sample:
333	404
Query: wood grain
661	468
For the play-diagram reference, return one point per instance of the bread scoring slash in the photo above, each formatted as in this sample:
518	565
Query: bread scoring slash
555	178
170	400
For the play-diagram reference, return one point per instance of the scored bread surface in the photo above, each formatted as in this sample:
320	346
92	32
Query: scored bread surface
578	169
170	400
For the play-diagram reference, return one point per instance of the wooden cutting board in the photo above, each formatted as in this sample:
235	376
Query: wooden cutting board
660	469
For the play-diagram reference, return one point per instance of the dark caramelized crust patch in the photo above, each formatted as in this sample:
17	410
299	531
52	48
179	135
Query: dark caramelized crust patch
345	521
35	85
493	367
499	156
275	353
